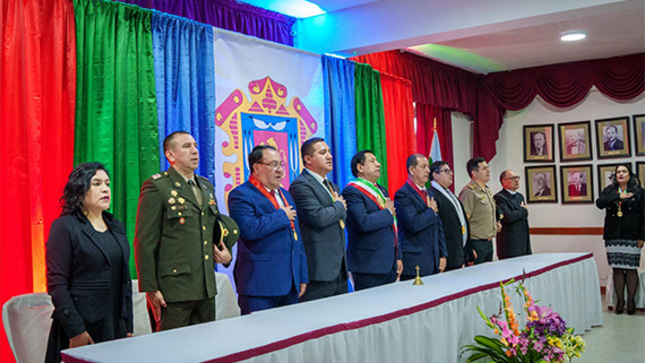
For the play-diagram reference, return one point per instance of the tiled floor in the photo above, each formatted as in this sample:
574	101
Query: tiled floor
621	339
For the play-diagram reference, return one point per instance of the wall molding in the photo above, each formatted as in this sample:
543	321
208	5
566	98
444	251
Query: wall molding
566	230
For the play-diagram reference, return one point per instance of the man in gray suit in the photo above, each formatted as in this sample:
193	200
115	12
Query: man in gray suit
321	210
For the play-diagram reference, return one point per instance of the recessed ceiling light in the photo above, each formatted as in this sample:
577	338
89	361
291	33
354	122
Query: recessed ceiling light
573	35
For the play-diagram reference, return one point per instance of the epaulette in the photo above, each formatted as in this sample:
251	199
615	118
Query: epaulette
205	178
471	186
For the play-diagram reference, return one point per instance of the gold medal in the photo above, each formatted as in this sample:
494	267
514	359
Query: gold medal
619	214
181	200
173	192
177	184
342	224
295	235
171	200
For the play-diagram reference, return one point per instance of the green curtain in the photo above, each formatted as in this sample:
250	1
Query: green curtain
116	107
370	117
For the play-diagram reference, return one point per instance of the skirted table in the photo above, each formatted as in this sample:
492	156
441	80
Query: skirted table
394	323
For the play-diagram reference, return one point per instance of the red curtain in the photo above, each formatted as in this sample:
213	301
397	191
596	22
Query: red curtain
426	115
37	92
399	126
487	97
564	85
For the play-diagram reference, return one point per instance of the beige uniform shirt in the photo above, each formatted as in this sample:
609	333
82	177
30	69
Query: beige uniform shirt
479	204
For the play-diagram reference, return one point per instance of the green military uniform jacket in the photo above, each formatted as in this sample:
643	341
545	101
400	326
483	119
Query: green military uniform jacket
479	204
174	238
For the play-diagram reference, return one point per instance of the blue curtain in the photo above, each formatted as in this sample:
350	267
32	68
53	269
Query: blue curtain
185	81
340	116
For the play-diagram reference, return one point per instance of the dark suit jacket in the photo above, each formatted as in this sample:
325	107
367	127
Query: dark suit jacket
458	254
543	193
370	235
514	239
618	145
79	278
574	193
269	259
169	240
631	226
421	235
536	152
322	235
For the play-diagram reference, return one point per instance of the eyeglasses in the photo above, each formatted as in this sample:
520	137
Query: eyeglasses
273	164
447	171
513	178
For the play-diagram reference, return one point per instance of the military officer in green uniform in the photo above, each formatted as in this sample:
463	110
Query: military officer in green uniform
174	251
480	208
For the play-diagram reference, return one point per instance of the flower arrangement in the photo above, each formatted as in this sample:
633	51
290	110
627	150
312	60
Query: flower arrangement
544	338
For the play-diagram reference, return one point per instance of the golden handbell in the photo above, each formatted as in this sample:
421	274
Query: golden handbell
417	280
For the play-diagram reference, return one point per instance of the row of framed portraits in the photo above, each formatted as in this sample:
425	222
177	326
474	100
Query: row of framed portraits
576	182
574	140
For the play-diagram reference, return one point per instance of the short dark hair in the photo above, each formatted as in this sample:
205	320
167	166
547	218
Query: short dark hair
307	147
77	185
436	166
359	158
612	127
168	140
256	155
539	133
412	161
473	164
502	176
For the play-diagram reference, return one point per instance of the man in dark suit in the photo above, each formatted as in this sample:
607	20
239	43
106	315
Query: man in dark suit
271	267
514	239
612	143
372	253
173	242
577	188
321	211
420	232
453	217
541	187
538	144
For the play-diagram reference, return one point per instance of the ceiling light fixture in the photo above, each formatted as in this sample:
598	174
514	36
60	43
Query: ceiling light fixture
573	35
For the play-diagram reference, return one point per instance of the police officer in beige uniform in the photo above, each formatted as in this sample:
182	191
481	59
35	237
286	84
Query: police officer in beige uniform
480	209
174	252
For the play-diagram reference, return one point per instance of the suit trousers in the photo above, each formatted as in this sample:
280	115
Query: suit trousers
365	281
320	289
249	303
180	314
484	249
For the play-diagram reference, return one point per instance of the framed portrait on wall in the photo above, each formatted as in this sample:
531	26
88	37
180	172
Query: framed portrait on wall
538	143
612	138
541	184
575	141
606	175
576	184
640	171
639	133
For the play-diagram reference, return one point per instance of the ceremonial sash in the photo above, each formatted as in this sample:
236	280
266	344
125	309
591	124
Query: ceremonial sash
422	193
273	200
372	192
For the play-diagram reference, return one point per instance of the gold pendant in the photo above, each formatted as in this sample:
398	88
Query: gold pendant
619	214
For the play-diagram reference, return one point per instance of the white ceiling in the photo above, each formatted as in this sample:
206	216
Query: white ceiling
480	36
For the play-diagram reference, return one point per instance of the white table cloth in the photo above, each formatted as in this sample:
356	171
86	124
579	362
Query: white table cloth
393	323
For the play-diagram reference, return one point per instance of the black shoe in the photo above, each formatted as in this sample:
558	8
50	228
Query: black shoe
619	311
631	311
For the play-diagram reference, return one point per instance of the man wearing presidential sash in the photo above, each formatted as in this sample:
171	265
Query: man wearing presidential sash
421	235
271	266
372	247
321	211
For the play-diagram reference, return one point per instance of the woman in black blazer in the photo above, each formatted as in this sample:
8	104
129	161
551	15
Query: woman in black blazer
624	232
87	266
